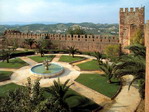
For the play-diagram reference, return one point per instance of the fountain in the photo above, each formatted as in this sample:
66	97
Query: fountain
47	70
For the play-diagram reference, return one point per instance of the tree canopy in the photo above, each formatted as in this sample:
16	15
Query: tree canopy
76	31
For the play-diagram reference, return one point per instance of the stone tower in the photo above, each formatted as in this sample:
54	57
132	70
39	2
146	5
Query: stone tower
130	20
147	67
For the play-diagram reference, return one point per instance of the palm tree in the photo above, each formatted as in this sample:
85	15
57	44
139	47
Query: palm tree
135	65
60	93
108	69
60	96
137	50
29	41
99	57
72	50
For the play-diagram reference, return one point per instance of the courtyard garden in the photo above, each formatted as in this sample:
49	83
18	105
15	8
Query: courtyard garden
90	79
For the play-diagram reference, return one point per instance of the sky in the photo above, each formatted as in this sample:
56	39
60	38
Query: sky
65	11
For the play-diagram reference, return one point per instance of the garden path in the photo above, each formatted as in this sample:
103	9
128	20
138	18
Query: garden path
56	58
8	69
127	100
83	61
28	60
5	82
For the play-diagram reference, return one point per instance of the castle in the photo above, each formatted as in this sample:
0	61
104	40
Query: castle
130	21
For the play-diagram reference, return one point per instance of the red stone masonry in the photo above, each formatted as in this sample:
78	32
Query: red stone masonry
147	67
85	43
129	21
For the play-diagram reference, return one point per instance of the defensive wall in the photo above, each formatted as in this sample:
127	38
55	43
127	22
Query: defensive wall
147	67
82	42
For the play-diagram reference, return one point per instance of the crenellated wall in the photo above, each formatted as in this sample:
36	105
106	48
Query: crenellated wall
81	42
130	21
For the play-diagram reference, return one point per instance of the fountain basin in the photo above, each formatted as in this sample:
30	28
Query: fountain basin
40	71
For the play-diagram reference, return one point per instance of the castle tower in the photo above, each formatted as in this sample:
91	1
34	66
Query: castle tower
147	67
130	20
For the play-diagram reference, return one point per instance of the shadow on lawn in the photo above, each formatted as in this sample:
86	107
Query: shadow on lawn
118	82
17	61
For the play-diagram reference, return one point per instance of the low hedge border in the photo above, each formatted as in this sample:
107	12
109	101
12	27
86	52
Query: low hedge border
5	79
22	54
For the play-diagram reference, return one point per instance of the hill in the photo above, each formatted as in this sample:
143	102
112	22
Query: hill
90	28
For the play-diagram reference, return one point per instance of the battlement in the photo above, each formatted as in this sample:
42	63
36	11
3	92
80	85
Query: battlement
130	10
62	37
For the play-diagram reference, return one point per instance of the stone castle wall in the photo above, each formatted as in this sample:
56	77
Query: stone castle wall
147	67
82	42
130	21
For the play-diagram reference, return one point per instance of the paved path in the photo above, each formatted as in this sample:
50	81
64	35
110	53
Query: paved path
8	69
91	94
5	82
83	61
126	101
56	58
28	60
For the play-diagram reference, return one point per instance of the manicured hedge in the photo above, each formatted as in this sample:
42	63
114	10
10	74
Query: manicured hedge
24	53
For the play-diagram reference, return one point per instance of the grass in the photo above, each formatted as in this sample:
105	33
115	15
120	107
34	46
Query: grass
73	101
8	87
99	83
40	59
90	65
14	63
70	58
5	75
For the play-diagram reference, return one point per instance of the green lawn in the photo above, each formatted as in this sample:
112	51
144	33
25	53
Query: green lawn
8	87
5	75
90	65
99	83
73	101
14	63
70	58
40	59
